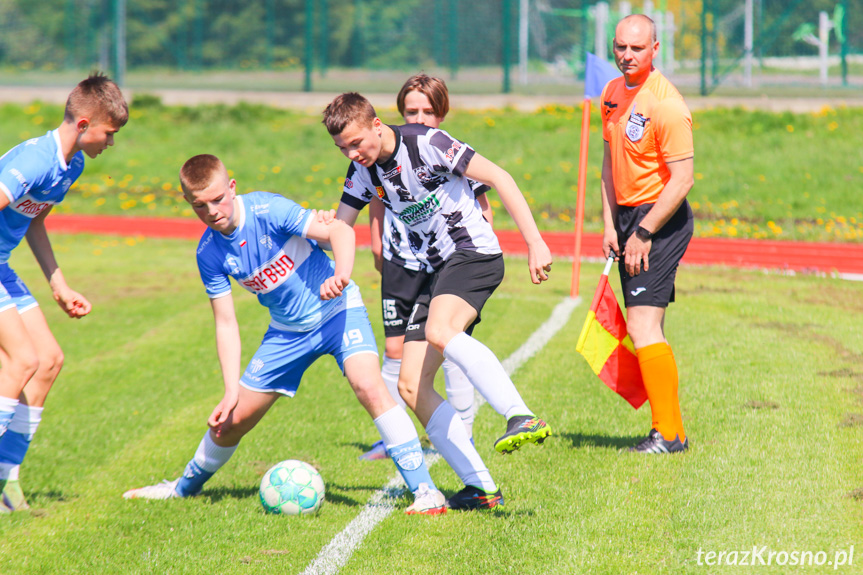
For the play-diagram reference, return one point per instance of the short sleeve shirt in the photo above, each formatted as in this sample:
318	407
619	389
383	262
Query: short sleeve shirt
646	128
34	176
423	185
268	254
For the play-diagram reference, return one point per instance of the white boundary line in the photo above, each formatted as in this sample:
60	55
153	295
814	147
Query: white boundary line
338	551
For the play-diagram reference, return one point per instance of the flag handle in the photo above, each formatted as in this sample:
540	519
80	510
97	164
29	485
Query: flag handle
608	264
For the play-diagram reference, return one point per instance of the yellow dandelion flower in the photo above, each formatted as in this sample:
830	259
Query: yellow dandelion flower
276	169
100	201
789	127
130	242
309	179
528	177
304	204
148	198
489	121
699	176
166	186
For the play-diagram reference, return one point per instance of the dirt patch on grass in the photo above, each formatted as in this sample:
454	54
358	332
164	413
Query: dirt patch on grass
852	420
753	404
855	494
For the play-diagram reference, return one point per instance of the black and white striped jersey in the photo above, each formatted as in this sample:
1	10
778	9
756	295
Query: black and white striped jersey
424	186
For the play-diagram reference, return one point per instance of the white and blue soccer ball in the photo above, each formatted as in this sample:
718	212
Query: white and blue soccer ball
292	488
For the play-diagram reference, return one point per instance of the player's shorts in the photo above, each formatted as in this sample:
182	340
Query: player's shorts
469	275
284	356
400	289
654	287
13	291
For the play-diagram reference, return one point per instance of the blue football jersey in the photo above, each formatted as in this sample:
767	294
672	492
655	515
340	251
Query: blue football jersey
269	255
34	176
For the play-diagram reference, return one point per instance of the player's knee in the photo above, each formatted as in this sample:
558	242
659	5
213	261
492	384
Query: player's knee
26	366
394	348
407	390
437	335
51	364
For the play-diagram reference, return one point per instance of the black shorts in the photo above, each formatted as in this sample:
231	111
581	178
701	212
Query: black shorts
469	275
400	289
654	287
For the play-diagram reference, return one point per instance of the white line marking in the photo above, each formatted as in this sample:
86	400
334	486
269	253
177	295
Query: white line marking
337	552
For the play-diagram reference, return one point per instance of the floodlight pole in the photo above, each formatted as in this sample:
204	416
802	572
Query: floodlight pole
309	50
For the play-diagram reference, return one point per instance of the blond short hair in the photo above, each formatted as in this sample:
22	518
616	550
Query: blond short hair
200	171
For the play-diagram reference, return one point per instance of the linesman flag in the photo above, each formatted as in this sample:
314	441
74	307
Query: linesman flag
607	347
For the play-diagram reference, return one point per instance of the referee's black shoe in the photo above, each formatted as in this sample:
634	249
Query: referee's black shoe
655	443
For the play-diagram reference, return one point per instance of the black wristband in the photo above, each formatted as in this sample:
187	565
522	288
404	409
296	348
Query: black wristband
643	234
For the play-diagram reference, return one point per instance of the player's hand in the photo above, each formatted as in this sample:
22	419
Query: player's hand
74	304
609	243
325	216
333	286
223	411
539	261
636	258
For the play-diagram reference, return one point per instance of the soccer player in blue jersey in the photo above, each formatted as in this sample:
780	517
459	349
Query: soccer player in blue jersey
268	244
423	100
422	175
34	176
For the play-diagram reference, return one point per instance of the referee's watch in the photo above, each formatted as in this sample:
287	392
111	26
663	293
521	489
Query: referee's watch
643	234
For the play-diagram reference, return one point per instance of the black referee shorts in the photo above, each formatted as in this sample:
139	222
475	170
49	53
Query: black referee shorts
654	287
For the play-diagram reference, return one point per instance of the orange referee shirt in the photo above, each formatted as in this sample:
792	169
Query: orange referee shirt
646	127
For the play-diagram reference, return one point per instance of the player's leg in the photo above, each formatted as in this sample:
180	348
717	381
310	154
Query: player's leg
460	292
357	356
445	429
461	394
28	414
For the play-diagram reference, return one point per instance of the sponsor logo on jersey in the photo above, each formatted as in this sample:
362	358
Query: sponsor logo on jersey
392	173
67	183
232	264
205	242
266	241
271	275
392	322
21	179
453	150
348	183
421	211
26	206
260	208
381	193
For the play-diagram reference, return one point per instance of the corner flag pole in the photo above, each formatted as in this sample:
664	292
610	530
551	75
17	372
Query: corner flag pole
582	185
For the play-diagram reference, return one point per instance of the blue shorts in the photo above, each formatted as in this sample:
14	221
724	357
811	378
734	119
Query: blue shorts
284	356
13	292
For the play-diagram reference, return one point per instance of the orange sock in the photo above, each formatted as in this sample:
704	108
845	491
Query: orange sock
659	372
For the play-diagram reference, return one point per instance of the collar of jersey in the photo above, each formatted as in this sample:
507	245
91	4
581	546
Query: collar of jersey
60	158
392	159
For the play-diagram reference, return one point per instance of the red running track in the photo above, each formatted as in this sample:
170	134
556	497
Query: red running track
820	257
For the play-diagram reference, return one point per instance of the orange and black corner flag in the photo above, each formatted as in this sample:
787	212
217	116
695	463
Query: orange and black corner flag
607	347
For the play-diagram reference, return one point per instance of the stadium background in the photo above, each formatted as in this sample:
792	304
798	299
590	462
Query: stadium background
484	46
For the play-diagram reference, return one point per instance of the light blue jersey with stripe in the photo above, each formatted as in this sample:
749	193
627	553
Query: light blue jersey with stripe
34	176
268	254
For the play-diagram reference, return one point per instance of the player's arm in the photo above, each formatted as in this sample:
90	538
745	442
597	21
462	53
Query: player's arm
609	205
377	210
682	178
228	347
341	237
485	206
74	304
487	172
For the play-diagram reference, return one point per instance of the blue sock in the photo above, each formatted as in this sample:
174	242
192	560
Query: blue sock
410	462
208	459
13	447
193	479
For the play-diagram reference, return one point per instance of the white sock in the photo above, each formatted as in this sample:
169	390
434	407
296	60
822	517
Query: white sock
460	394
447	432
396	427
211	457
390	373
7	412
27	419
486	373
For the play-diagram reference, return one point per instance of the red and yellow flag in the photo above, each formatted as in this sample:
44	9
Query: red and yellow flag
607	347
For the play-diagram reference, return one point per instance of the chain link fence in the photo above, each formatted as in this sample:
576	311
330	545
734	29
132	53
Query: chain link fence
482	46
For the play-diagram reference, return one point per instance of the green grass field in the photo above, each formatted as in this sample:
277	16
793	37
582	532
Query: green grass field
771	391
758	174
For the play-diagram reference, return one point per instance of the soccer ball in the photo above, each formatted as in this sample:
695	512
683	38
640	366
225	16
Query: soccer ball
292	488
